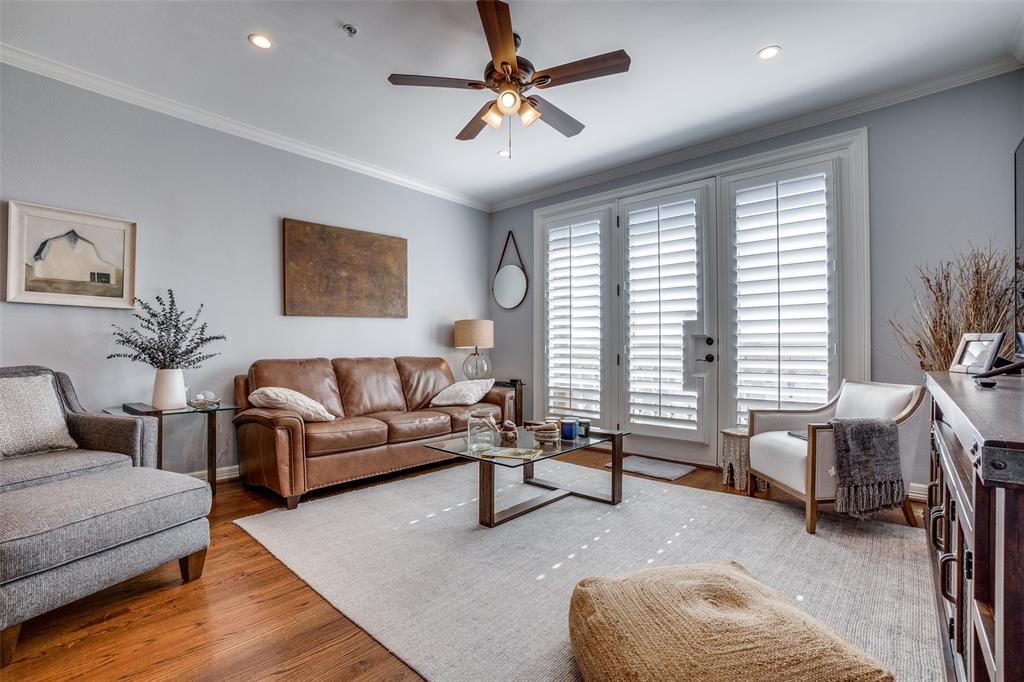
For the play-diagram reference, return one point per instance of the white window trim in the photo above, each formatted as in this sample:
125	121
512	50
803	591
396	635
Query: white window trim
853	227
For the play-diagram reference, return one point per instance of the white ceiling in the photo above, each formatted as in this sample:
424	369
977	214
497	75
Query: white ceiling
694	77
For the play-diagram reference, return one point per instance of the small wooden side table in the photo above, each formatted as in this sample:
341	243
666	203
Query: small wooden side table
736	458
146	410
517	385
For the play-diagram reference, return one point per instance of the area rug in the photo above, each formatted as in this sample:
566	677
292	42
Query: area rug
657	468
408	562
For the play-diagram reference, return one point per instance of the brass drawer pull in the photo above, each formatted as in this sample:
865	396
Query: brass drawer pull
944	561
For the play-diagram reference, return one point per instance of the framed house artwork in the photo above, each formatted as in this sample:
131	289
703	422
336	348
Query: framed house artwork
60	257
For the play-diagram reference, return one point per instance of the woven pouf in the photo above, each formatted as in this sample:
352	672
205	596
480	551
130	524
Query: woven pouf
706	622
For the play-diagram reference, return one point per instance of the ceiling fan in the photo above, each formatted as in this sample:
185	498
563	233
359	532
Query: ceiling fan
512	76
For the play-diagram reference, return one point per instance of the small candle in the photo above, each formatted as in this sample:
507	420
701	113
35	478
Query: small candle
570	428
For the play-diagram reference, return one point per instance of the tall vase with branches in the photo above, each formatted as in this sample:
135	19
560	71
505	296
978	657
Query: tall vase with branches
973	292
169	340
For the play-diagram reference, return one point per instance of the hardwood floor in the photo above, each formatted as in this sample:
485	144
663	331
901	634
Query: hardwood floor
247	618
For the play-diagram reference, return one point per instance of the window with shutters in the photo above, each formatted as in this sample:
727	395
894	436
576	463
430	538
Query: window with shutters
782	309
663	291
573	316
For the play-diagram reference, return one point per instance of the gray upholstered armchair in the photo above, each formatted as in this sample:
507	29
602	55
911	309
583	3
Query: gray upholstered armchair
82	503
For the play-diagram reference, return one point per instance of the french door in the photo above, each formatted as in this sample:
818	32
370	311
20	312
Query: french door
667	379
672	313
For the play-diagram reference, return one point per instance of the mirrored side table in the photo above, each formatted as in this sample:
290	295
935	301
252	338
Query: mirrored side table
147	410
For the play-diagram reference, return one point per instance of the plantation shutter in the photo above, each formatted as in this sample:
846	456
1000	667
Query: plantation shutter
662	275
783	303
573	313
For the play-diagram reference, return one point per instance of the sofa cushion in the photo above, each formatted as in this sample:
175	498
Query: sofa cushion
711	622
46	526
422	379
468	392
45	467
313	378
323	438
33	416
460	413
403	426
369	385
280	398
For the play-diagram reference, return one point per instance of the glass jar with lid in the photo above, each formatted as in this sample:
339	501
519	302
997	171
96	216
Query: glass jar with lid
481	431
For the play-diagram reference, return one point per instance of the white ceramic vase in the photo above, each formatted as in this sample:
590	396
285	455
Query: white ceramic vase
169	389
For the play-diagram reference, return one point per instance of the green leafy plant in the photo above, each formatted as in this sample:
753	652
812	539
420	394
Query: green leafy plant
165	338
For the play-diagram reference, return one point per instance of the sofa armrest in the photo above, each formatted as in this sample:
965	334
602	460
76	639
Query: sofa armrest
505	398
128	435
271	418
272	449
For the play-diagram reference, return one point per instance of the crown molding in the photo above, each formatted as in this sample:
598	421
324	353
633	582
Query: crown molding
739	138
64	73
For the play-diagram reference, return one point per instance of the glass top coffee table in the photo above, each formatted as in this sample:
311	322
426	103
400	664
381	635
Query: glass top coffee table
491	517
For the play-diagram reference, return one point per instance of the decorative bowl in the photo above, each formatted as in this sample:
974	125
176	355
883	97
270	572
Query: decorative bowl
547	437
203	403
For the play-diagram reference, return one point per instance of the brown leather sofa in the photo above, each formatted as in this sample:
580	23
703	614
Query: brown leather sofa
383	420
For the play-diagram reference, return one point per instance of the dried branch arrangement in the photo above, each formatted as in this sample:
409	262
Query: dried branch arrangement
166	337
974	292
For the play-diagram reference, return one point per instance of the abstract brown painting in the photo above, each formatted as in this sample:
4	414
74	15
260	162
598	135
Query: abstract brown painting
338	272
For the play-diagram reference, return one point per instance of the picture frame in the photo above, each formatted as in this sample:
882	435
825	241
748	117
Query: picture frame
58	256
977	353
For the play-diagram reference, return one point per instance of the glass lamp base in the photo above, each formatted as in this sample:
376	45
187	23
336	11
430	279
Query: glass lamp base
476	366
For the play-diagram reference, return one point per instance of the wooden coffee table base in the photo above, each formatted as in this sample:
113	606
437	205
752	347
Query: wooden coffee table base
491	517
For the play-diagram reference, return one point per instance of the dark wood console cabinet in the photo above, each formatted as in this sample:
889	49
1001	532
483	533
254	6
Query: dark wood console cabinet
975	524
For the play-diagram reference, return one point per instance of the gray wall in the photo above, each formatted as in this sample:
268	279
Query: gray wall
209	208
941	178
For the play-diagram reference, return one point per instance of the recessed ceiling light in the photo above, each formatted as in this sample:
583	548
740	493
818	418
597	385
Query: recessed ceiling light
261	41
769	52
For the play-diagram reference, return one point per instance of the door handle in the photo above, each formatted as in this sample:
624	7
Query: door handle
710	357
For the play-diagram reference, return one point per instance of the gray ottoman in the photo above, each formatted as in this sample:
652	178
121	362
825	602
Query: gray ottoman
63	540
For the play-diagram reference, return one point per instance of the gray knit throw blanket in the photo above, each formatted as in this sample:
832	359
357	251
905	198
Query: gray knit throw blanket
868	475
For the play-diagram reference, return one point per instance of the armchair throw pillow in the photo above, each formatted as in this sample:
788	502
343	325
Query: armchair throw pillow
463	393
33	420
276	397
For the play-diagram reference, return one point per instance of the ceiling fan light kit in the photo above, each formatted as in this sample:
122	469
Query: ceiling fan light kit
510	77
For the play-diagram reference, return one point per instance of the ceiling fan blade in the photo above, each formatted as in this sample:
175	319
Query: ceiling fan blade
475	125
555	117
497	23
435	82
584	69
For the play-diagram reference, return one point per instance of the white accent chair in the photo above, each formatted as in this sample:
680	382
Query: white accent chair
805	469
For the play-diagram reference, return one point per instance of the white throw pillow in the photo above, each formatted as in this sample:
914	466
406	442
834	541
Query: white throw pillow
286	399
31	418
463	393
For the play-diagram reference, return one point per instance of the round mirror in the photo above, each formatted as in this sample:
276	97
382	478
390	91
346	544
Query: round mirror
509	286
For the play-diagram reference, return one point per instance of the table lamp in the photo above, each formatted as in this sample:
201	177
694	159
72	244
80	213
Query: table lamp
475	334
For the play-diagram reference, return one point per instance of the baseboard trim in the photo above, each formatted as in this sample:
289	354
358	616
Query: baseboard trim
228	473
